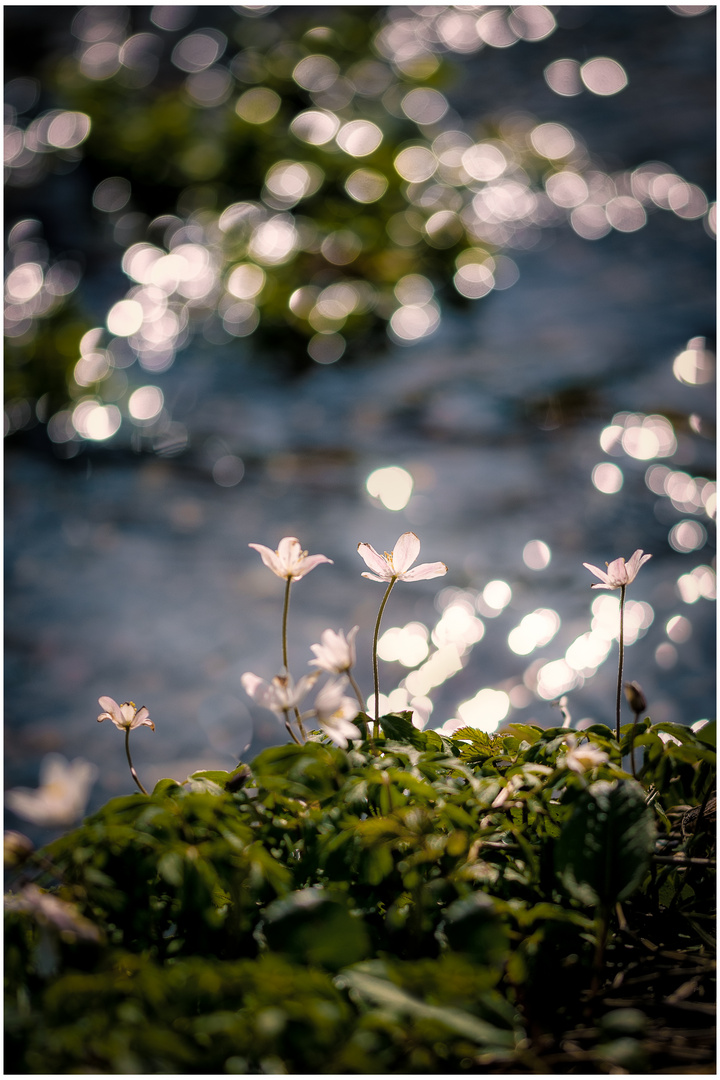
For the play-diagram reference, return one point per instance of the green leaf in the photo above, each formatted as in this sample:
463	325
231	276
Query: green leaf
478	738
526	732
167	787
210	782
170	868
599	729
389	996
217	776
604	849
315	926
707	734
399	727
472	925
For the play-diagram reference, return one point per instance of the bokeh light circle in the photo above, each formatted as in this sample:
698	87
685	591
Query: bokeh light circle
603	76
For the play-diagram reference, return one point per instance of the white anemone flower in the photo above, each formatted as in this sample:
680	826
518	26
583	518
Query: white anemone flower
289	561
334	711
336	652
50	910
619	573
125	717
395	565
62	796
581	758
281	694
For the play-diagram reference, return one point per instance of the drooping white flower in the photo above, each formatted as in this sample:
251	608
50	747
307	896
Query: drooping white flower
395	565
619	572
62	796
289	561
281	694
50	910
581	758
125	717
334	711
336	652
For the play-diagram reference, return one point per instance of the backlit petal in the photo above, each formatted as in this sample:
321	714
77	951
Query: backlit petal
617	573
251	683
405	552
270	558
599	574
636	561
142	719
377	563
306	565
289	551
425	571
112	710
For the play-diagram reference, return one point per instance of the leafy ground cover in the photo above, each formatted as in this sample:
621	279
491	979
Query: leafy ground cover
415	903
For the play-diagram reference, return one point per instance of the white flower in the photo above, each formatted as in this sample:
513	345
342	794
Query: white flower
532	774
125	717
289	561
619	572
281	694
581	758
395	566
52	911
336	653
62	796
513	785
334	711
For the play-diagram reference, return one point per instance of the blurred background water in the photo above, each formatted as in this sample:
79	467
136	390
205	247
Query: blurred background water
529	385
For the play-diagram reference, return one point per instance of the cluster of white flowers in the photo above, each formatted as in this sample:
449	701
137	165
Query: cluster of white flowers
64	787
333	709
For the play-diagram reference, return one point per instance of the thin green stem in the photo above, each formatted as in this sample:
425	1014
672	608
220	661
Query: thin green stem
286	605
376	729
361	703
356	689
293	736
632	743
132	767
620	662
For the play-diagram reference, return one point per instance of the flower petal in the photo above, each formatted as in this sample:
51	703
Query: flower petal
142	719
304	683
636	561
113	712
378	563
289	551
110	706
374	577
306	565
425	571
405	552
617	573
599	574
251	683
270	558
340	731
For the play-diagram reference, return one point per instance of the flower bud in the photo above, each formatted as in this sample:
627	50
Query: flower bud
16	849
636	698
238	779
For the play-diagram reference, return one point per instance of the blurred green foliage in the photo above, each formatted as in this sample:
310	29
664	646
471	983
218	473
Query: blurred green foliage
422	904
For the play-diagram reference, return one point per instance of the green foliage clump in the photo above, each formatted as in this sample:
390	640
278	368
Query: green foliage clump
415	903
